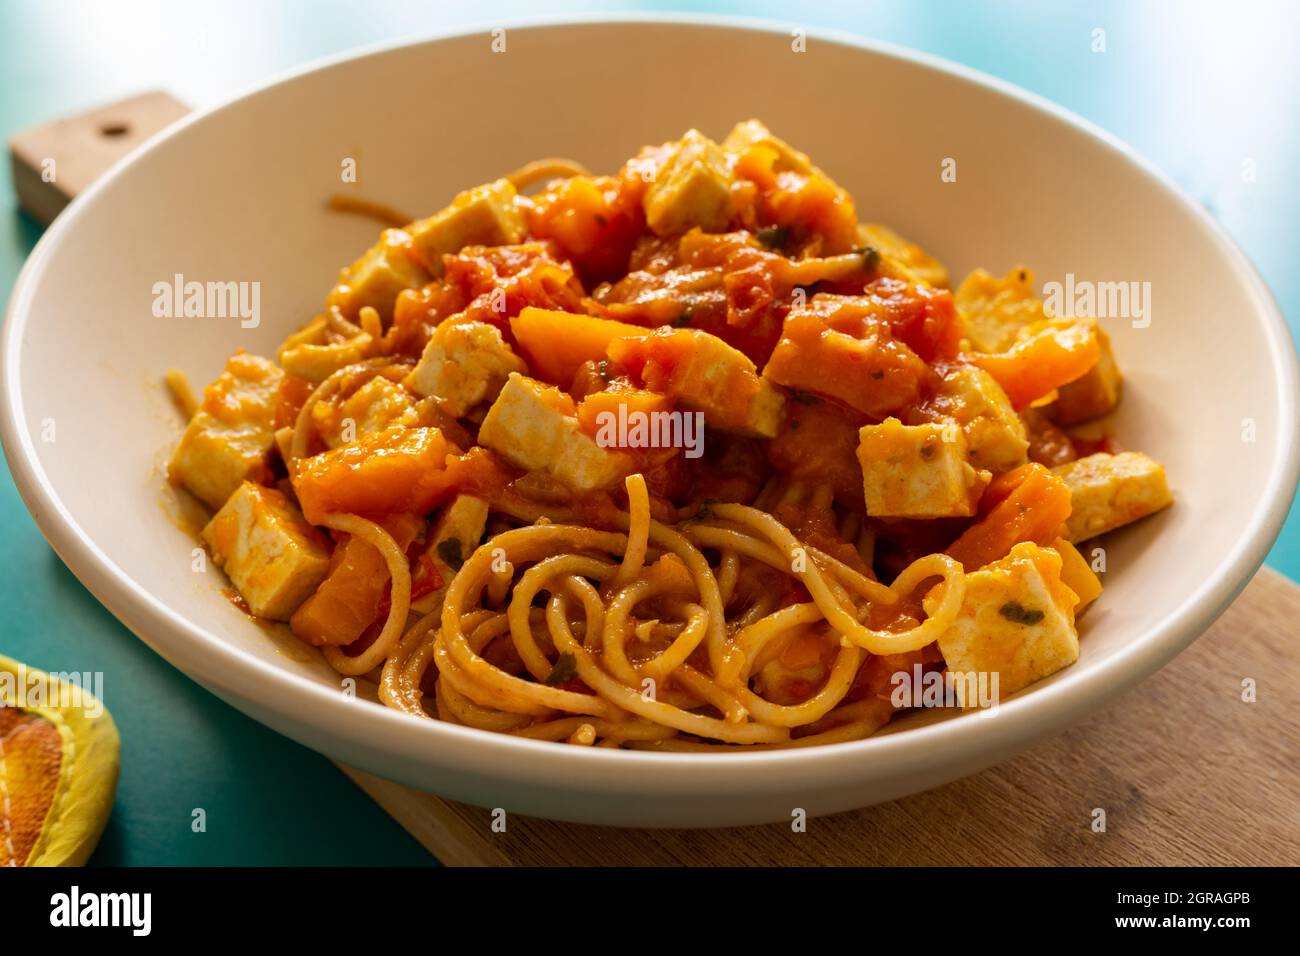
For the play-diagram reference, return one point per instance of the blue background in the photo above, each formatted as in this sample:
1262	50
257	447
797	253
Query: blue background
1199	88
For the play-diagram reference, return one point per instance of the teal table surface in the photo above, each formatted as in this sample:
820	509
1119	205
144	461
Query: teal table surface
1205	90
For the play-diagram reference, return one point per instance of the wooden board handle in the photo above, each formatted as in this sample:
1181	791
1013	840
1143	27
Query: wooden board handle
54	162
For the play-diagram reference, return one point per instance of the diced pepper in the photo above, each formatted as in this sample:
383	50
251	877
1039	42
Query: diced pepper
671	574
1052	354
920	316
637	403
1076	574
594	220
349	598
807	202
555	344
1028	503
397	469
842	347
819	443
805	650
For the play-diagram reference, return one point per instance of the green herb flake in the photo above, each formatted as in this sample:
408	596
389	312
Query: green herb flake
450	551
774	237
1017	612
870	257
564	670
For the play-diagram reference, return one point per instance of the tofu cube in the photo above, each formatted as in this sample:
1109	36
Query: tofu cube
375	279
997	309
704	374
274	558
1016	621
484	216
458	531
464	363
376	405
230	436
918	471
995	435
749	133
316	363
1095	394
535	426
1107	491
692	188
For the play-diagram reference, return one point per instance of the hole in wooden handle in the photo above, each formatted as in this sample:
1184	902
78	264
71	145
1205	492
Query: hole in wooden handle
114	129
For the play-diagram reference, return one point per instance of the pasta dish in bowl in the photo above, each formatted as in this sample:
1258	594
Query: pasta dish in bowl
681	458
698	453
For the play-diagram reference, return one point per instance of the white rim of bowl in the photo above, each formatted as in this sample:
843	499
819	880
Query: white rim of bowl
231	671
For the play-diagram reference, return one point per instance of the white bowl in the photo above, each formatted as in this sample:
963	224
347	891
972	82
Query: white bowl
236	193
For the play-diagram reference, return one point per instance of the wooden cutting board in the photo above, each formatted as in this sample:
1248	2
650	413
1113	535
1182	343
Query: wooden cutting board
1187	772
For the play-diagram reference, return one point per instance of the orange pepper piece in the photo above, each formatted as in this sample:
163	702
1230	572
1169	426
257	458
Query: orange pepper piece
1028	503
1077	574
1058	353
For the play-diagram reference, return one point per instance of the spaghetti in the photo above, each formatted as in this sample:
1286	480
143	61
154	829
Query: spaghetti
585	624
